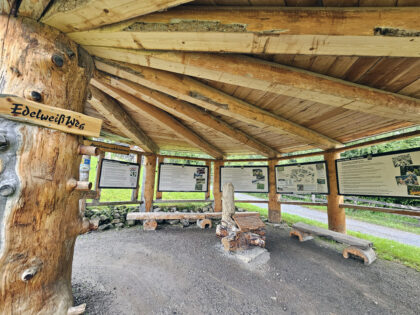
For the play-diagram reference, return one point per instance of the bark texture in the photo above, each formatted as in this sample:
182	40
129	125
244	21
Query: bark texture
39	216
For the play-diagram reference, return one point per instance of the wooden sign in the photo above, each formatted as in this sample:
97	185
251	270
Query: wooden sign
248	223
108	147
18	108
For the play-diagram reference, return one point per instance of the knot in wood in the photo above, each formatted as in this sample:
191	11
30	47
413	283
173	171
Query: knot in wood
36	96
58	60
6	190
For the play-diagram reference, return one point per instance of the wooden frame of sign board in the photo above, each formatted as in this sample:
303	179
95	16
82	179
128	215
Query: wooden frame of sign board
372	156
304	193
114	148
246	166
183	165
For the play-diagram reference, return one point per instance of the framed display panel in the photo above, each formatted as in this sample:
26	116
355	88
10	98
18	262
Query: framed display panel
302	178
182	177
247	178
391	174
118	174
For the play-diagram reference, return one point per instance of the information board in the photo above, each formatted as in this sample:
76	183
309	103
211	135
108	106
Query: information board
395	174
303	178
183	177
118	174
245	178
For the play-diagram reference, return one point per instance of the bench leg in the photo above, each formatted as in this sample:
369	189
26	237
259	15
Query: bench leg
368	255
149	225
301	235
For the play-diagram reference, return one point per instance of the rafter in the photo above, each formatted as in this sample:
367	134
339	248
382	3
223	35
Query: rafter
113	112
159	116
192	113
271	77
70	16
212	99
315	31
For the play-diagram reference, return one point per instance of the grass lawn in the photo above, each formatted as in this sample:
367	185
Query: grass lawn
385	249
396	221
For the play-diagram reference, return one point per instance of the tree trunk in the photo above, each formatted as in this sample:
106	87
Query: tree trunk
39	215
228	205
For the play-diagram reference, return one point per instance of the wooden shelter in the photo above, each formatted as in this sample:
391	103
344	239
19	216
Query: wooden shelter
219	77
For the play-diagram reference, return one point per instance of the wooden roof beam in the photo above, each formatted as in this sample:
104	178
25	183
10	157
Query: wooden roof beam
313	31
113	112
192	113
275	78
195	92
159	116
71	16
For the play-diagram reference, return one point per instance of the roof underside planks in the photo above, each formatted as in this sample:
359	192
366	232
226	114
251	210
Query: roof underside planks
298	84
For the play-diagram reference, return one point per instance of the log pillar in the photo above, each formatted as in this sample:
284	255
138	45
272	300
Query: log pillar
207	196
149	183
159	194
217	194
274	207
336	215
39	215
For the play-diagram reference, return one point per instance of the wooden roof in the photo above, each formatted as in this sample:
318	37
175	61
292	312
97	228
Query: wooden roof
225	77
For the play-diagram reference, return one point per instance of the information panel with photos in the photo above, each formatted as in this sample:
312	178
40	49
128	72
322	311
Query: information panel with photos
245	178
182	177
118	174
303	178
394	174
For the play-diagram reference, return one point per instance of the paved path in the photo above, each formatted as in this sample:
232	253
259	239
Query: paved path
352	224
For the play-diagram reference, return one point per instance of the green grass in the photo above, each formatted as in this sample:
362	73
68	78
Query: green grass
385	249
395	221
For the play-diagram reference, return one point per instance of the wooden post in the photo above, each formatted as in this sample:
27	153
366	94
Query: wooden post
274	208
39	217
149	184
159	193
216	186
98	174
336	215
208	163
135	192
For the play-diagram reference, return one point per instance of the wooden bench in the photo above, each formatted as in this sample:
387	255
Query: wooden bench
357	247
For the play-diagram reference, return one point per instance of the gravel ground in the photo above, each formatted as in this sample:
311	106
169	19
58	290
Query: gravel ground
184	271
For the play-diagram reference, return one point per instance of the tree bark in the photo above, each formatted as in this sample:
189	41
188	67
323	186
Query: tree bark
39	216
336	215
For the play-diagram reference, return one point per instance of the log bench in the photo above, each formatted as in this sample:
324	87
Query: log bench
357	247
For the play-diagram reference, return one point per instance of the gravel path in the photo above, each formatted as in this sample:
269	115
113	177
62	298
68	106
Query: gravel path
185	271
352	224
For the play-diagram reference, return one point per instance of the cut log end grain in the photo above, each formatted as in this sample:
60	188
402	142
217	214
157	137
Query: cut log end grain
150	225
204	223
368	255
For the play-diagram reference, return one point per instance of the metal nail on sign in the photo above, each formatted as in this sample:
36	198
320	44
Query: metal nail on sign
18	108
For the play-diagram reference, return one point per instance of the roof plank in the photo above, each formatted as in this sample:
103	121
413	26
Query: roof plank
313	31
113	112
212	99
70	16
159	116
190	112
267	76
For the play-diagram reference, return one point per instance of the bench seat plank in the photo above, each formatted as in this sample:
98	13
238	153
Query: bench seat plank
338	237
